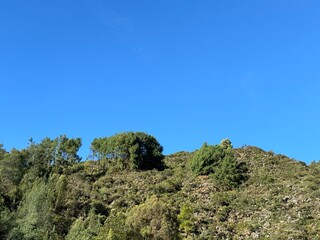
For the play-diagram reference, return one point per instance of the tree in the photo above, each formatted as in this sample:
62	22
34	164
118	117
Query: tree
66	151
41	157
129	150
52	154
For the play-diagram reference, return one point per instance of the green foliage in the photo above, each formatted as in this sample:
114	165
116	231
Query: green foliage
166	186
114	228
153	220
130	150
219	160
85	229
230	173
7	222
66	152
41	157
12	169
78	231
206	159
186	220
226	144
61	192
35	214
52	155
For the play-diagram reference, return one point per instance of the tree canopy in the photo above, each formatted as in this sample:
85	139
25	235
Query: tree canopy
129	150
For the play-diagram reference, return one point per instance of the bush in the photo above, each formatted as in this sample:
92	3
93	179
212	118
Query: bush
153	220
220	162
230	173
206	159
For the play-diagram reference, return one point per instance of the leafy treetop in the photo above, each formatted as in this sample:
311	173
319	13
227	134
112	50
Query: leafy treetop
129	150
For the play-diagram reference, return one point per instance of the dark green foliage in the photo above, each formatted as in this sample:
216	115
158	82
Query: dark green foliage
219	160
7	222
41	157
130	150
12	169
52	155
206	159
66	152
230	173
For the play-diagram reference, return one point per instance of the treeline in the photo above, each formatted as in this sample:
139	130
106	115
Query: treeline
130	190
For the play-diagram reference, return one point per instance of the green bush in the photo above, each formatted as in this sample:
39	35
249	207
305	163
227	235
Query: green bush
220	162
206	159
230	173
153	220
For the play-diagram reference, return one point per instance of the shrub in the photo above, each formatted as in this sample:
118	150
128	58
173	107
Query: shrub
220	162
153	220
206	159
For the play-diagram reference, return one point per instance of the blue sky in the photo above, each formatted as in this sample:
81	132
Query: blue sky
185	72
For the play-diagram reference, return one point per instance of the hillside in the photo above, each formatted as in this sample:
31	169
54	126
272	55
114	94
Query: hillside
279	198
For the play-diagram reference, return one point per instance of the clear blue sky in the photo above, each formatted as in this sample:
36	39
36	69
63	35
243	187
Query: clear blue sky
183	71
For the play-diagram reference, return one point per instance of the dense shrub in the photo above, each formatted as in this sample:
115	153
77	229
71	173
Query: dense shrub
220	162
153	220
208	157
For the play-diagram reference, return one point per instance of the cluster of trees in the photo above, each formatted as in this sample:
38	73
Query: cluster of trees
129	150
46	192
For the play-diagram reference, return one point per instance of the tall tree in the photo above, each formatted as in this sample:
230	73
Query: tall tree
41	157
66	151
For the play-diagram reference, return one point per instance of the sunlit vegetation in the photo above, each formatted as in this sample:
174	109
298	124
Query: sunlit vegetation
129	190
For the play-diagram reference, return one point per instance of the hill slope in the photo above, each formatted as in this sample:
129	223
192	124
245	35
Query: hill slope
280	199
